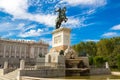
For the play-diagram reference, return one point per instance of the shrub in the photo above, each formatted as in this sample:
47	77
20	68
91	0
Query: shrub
118	61
99	61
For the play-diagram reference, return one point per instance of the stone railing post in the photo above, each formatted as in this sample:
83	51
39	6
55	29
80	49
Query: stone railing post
5	64
22	64
106	65
18	75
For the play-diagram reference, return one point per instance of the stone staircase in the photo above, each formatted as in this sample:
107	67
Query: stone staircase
10	76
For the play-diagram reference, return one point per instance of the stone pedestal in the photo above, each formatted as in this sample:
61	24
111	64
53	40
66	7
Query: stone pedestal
60	39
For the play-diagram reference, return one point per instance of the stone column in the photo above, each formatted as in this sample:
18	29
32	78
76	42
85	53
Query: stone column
20	51
42	50
25	51
10	54
22	64
5	64
15	51
32	54
4	50
38	52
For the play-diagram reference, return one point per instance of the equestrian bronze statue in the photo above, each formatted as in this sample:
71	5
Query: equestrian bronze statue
61	17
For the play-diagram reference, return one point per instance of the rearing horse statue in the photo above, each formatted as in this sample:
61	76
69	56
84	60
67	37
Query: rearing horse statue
61	17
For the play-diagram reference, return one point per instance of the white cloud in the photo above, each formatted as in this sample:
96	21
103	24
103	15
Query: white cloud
72	23
116	27
23	27
95	3
31	33
21	30
18	8
14	7
9	26
91	11
95	40
20	26
30	27
75	22
6	26
8	35
110	34
48	20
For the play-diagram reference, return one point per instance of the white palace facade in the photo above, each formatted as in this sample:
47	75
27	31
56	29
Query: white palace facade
15	50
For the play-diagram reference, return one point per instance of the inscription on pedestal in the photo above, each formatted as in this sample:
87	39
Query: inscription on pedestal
57	39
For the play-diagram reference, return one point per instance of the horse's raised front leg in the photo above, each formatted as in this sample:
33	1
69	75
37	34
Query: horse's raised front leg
59	25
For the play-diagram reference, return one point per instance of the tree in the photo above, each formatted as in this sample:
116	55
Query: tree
118	61
104	47
108	48
115	52
99	61
91	60
91	48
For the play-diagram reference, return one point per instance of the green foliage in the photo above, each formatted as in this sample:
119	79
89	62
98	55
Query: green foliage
91	60
99	61
86	47
108	48
105	47
82	53
91	48
118	61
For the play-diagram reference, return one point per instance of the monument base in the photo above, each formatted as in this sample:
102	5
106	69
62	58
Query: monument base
53	59
67	59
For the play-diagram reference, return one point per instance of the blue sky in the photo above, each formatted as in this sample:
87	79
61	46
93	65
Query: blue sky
90	20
